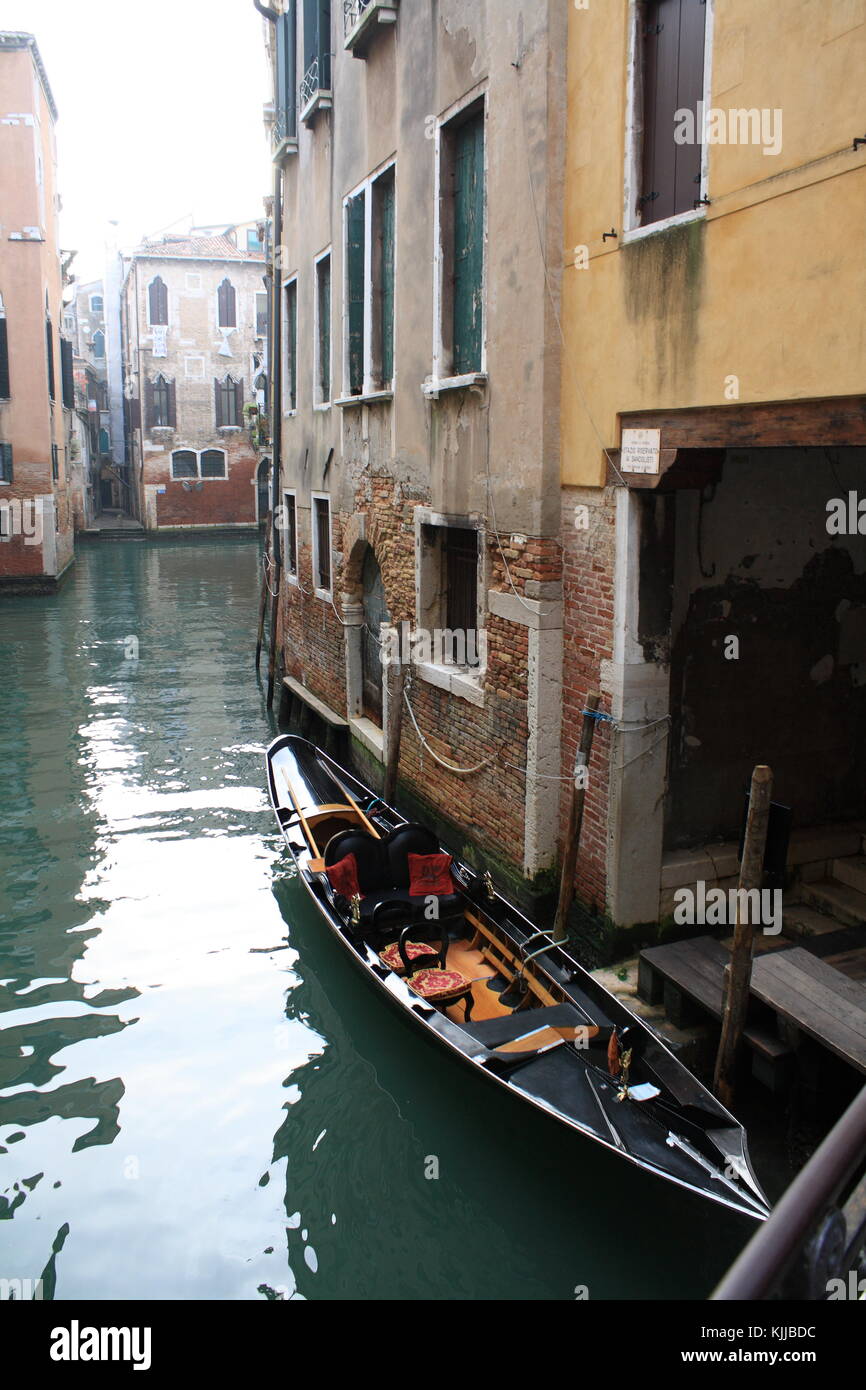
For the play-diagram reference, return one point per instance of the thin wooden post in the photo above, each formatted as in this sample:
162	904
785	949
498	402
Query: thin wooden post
738	971
263	604
395	676
272	654
575	819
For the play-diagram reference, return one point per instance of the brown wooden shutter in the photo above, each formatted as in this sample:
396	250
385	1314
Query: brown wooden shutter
219	403
149	406
673	50
239	402
172	405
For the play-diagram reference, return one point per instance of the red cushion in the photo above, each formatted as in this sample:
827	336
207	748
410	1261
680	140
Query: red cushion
438	984
430	873
414	949
343	876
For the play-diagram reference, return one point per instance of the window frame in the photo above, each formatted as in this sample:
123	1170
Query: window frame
290	346
187	477
213	477
321	401
322	593
290	552
260	315
444	373
152	322
373	384
633	227
233	303
93	307
431	601
221	385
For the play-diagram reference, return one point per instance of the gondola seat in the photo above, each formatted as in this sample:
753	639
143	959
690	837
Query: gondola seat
385	876
442	987
415	950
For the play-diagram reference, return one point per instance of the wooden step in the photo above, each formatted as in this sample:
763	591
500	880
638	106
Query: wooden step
802	920
836	899
851	871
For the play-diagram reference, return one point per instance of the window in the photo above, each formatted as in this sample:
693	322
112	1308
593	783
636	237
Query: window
213	463
227	316
96	304
315	90
670	78
290	388
104	441
468	246
261	314
157	302
450	589
49	348
5	463
369	313
382	354
55	462
322	545
67	378
99	343
184	464
355	258
160	410
323	330
361	19
290	547
5	391
253	240
285	130
229	403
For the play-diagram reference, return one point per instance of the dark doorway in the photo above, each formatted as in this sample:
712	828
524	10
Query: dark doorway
105	493
375	613
263	478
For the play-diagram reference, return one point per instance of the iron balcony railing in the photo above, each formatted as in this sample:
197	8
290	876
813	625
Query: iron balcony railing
284	129
813	1245
310	85
352	11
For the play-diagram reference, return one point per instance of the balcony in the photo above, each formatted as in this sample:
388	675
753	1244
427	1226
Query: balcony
284	134
361	20
315	91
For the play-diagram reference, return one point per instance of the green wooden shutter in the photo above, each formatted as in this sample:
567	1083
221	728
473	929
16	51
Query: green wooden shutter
355	256
387	281
292	330
468	245
324	277
286	113
218	399
324	38
5	392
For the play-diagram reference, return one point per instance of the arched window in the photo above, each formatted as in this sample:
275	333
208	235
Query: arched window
96	304
227	315
160	410
157	295
229	402
213	463
184	464
99	343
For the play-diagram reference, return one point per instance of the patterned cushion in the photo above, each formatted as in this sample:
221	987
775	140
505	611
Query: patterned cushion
430	874
343	876
391	955
438	984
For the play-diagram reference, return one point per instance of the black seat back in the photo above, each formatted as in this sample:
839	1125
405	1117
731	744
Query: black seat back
405	840
369	856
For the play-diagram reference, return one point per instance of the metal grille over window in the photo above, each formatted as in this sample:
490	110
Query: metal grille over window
323	543
461	583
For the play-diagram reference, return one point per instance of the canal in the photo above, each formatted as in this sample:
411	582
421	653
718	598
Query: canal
199	1096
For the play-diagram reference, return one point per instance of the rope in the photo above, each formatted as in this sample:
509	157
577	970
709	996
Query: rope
452	767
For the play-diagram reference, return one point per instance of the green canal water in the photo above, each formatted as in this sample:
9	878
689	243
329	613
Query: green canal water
200	1097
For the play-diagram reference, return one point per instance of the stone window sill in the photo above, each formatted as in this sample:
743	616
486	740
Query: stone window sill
368	398
465	682
433	389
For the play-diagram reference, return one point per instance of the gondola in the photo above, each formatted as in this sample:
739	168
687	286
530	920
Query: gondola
461	962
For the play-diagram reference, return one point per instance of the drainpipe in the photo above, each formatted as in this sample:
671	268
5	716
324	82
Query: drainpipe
276	391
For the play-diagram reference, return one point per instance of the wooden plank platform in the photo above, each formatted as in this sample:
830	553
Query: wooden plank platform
816	998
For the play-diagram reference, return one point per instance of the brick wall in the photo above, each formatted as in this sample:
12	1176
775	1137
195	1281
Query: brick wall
588	595
209	501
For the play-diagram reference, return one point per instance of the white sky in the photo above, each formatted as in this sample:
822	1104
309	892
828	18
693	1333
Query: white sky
160	114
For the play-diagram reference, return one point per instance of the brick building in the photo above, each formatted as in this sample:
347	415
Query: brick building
194	330
95	483
711	417
36	376
419	156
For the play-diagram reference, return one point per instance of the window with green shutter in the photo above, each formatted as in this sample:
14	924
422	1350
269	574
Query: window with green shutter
323	316
355	235
468	244
385	289
286	113
291	359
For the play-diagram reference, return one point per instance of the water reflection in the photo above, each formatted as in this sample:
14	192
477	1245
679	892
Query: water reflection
199	1095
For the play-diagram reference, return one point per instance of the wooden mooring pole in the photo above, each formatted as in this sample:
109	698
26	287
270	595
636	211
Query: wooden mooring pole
575	819
738	971
395	675
263	604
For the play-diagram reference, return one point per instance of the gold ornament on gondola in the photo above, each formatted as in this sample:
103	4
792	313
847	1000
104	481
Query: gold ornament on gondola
622	1094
